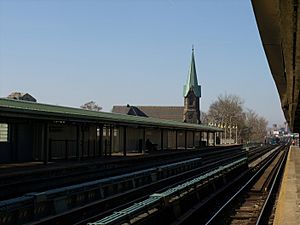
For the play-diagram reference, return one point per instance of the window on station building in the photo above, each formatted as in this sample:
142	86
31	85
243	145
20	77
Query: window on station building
105	130
3	132
98	132
115	132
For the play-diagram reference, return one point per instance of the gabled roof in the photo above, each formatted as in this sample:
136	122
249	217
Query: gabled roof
192	82
132	110
32	110
161	112
135	111
21	96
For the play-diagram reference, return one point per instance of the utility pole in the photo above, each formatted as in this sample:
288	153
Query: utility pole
225	133
236	139
230	132
230	126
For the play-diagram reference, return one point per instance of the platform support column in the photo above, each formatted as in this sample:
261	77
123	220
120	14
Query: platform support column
200	139
100	143
144	140
46	143
111	133
105	141
88	147
176	139
124	140
66	149
161	139
207	138
194	140
82	142
215	138
14	141
185	140
77	141
167	139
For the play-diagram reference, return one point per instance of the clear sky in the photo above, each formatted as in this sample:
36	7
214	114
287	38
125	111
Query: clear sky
68	52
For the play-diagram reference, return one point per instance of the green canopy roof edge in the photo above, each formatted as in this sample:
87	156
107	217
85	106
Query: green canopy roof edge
64	112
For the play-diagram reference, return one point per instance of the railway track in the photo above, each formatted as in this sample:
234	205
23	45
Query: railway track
86	202
165	206
253	199
255	205
210	201
256	152
16	184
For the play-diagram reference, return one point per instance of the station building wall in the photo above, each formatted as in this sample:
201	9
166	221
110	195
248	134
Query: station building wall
181	139
22	142
154	136
171	139
26	140
134	139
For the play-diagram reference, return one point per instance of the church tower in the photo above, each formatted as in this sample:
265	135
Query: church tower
192	94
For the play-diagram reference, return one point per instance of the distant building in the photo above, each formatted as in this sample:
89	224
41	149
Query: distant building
21	96
129	110
189	113
161	112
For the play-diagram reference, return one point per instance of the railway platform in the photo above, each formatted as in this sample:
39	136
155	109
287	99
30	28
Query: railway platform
288	206
21	168
32	167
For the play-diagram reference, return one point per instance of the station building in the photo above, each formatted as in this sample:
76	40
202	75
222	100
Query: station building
31	131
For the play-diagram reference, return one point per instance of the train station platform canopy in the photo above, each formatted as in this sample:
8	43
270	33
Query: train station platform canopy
279	28
32	110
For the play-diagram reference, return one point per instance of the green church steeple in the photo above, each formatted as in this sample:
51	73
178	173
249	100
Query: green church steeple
192	82
192	94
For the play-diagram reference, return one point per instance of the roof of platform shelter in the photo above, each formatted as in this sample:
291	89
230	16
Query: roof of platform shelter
15	108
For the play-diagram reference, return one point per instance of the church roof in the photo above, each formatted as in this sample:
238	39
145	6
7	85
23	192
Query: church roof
161	112
135	111
192	82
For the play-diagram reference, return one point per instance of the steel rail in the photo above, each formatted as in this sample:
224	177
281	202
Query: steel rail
224	152
18	185
276	178
207	154
242	188
163	199
181	178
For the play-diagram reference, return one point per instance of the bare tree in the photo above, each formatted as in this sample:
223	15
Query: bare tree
91	105
257	127
228	113
203	117
225	108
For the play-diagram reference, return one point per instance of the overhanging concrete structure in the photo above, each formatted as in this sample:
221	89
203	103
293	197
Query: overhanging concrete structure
278	22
